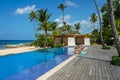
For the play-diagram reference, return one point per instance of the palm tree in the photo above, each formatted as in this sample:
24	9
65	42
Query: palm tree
53	28
33	17
62	7
68	28
43	18
101	36
113	26
93	19
62	30
77	27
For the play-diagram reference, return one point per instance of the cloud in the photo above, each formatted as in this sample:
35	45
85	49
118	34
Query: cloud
86	26
70	3
59	20
86	23
25	10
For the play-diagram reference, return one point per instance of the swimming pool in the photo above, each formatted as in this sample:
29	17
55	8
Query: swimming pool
31	65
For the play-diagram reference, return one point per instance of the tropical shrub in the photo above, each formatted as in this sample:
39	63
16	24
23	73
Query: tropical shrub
58	45
116	60
106	47
34	43
50	42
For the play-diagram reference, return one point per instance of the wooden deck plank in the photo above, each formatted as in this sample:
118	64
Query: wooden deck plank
95	65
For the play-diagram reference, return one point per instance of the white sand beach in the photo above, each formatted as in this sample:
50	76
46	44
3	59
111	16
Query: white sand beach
17	50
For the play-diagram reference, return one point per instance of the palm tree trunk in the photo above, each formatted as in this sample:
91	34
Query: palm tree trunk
101	35
113	26
63	17
94	34
36	34
45	45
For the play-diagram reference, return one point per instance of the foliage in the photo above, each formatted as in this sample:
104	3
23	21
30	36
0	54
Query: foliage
93	18
100	21
40	40
33	18
77	27
43	18
118	25
105	17
53	27
68	29
116	60
107	35
95	37
111	11
107	32
58	45
33	43
50	42
106	47
62	7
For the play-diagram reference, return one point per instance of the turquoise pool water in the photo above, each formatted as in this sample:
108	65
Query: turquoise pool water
30	65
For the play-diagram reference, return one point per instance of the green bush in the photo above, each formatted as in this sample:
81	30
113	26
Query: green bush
50	42
116	60
106	47
58	45
33	43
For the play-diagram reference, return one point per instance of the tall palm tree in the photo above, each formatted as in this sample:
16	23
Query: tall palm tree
43	18
68	28
33	18
93	19
62	7
53	28
113	26
101	35
62	30
77	27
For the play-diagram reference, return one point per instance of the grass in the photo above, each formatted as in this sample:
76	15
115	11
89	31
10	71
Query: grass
116	60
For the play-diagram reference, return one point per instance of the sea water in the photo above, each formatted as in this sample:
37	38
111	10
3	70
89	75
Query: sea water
3	43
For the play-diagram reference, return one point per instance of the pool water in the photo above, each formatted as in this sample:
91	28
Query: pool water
31	65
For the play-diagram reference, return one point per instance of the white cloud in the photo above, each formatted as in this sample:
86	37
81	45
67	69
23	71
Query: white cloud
67	18
86	26
86	23
60	19
70	3
25	10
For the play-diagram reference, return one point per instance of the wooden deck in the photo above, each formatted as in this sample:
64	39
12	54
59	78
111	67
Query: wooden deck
95	65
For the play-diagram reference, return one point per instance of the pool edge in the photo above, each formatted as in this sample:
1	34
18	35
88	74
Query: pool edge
55	69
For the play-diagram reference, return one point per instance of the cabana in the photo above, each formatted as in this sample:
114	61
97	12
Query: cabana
71	40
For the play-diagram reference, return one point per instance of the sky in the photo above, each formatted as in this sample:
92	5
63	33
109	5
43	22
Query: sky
15	23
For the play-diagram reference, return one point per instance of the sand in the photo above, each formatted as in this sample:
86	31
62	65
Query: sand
17	50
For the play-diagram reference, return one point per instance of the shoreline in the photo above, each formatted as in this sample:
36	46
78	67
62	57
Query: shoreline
8	51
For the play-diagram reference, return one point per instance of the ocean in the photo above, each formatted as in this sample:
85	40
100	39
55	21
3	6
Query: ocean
3	43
